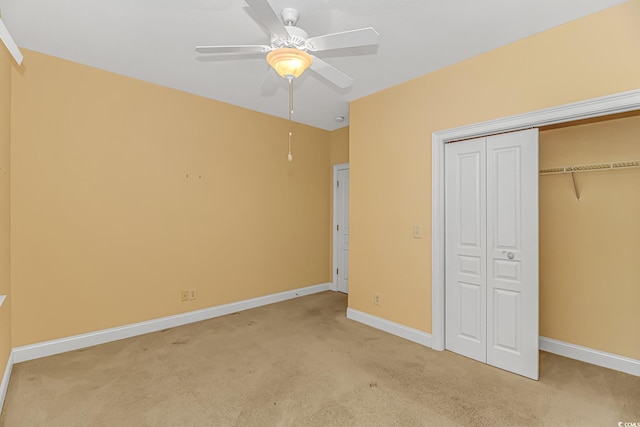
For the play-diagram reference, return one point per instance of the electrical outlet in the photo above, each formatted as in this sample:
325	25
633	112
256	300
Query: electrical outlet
376	299
184	295
192	294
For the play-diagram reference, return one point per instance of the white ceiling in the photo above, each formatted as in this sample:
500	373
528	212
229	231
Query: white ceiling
154	40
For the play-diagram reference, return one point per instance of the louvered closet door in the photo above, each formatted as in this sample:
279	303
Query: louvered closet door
491	194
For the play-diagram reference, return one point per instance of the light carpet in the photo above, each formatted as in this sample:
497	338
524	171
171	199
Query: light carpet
302	363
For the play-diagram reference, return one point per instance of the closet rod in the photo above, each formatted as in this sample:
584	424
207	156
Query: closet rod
592	167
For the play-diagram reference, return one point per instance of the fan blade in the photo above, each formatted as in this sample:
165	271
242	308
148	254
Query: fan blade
9	43
330	73
354	38
247	48
268	17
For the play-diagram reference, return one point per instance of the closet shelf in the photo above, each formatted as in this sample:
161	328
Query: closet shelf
594	167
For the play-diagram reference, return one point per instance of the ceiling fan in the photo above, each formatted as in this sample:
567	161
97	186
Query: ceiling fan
9	43
288	50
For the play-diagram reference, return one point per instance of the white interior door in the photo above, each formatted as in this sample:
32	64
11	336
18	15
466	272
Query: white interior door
465	295
512	252
342	229
491	194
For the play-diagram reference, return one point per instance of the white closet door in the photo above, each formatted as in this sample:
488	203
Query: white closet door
491	202
512	252
465	231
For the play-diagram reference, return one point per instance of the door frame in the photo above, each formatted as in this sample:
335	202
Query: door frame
334	233
596	107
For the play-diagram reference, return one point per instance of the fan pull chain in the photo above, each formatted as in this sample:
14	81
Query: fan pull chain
290	156
290	97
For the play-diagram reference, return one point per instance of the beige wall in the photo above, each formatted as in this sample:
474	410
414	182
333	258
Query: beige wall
590	250
5	212
339	141
339	145
108	228
390	143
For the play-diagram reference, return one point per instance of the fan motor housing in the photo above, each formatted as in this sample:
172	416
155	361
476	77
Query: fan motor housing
297	39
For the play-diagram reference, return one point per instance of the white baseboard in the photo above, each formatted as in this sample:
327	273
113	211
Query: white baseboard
595	357
49	348
393	328
4	385
572	351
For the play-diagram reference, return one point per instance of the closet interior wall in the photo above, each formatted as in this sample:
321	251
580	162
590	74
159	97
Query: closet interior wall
590	249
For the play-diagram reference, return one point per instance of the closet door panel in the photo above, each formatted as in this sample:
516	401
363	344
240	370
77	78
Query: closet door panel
512	252
465	292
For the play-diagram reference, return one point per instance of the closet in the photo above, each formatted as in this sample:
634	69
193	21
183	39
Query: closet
590	234
584	277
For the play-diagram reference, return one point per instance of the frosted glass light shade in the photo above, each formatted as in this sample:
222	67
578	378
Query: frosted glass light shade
289	61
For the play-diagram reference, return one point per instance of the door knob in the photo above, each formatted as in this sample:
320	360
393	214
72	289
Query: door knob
510	255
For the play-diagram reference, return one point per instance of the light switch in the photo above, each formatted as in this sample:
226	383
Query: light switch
417	232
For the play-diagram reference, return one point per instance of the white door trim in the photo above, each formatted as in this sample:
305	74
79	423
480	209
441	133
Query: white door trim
611	104
336	168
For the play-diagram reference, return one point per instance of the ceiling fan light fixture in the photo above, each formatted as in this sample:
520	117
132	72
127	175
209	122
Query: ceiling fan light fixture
289	62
